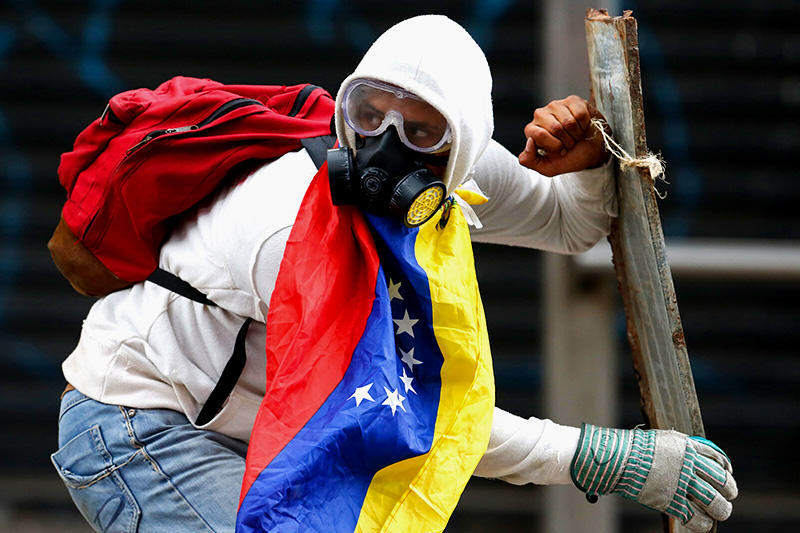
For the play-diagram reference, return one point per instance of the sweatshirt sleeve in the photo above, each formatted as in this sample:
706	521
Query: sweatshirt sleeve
568	213
528	451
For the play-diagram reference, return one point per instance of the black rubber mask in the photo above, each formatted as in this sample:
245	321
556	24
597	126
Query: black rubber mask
385	177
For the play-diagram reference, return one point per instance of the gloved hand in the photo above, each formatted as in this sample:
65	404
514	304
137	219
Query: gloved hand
689	478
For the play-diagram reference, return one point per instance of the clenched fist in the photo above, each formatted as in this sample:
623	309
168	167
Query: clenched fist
561	138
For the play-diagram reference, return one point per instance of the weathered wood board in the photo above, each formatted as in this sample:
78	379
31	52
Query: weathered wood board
669	400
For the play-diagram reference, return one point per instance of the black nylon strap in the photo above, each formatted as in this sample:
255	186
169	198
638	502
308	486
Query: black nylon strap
317	147
302	96
235	365
173	283
227	381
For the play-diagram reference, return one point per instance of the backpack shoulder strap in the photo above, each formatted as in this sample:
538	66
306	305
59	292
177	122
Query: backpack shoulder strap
227	380
317	147
173	283
235	365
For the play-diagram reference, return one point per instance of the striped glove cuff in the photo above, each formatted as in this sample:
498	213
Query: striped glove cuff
612	460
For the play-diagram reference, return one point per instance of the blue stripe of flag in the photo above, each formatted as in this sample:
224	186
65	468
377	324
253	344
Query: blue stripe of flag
319	480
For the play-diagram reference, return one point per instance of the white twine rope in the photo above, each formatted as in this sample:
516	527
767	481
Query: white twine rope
651	161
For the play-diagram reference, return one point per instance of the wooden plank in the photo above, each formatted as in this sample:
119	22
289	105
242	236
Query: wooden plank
655	334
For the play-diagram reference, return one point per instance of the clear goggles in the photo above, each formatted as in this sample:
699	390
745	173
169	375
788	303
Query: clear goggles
371	106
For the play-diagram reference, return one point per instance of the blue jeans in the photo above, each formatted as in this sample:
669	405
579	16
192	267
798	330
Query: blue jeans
146	469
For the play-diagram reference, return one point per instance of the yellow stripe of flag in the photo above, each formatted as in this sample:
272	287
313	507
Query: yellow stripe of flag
420	493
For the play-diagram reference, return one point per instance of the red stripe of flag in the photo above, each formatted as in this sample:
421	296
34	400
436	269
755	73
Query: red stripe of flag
318	312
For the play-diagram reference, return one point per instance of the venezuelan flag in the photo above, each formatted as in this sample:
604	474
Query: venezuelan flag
379	381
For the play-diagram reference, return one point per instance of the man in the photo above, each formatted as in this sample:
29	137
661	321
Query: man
148	359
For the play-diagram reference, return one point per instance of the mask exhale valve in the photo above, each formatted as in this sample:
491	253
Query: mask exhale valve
385	178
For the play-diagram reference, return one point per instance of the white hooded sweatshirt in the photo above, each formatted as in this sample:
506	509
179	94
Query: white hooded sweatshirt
436	59
145	347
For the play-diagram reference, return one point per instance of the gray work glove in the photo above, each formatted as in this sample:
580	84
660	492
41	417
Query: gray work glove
688	478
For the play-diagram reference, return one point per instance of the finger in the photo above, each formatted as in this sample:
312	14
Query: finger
530	146
556	129
569	125
708	449
544	139
544	118
579	108
534	161
710	469
716	476
719	509
529	157
708	500
594	112
702	493
699	521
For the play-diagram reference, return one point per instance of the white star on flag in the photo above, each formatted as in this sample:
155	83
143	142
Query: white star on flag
408	358
362	393
405	324
407	382
394	400
394	290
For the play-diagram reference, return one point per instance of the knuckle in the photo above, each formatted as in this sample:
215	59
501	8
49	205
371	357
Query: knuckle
539	135
530	129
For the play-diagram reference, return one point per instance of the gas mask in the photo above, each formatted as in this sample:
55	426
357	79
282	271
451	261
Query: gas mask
384	178
398	133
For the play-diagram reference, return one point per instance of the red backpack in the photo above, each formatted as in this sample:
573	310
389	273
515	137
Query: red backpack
154	154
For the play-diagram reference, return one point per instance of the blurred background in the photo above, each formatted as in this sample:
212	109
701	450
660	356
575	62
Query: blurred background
721	81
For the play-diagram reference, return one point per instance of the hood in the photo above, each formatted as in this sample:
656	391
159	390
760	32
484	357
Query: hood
436	59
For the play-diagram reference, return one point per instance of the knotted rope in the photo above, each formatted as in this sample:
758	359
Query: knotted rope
651	161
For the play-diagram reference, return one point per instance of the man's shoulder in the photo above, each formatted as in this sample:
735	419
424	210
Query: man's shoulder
273	184
233	224
269	197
